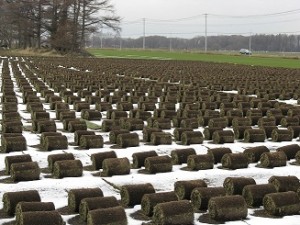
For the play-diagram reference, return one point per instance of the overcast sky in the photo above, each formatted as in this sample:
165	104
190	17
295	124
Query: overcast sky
185	18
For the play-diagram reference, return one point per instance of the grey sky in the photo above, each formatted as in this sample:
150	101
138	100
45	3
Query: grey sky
223	17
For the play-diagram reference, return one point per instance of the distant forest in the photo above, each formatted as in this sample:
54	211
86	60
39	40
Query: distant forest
276	43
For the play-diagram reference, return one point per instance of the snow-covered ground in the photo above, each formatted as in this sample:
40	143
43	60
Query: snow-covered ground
55	190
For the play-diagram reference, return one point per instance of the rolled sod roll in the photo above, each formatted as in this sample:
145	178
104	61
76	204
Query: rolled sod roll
46	134
254	135
227	208
103	106
162	123
189	123
161	138
91	114
235	185
239	131
11	116
55	143
269	130
200	162
91	141
67	168
184	188
46	126
180	156
108	125
75	125
290	150
224	136
143	115
40	115
76	195
289	121
134	124
58	157
282	204
13	143
282	135
88	204
128	140
158	164
115	166
41	217
200	196
266	121
138	158
241	121
32	207
218	153
131	195
178	132
254	153
79	133
234	161
191	137
11	199
119	114
174	212
114	134
295	130
97	158
9	107
208	132
149	201
147	133
218	122
273	159
12	127
9	160
107	216
285	183
148	106
25	171
254	193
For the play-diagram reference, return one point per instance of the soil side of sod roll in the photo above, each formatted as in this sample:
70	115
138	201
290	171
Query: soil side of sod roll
285	183
218	153
115	166
200	162
183	189
200	196
235	185
25	171
290	150
273	159
158	164
41	217
254	193
58	157
180	156
67	168
97	158
138	158
254	153
234	161
15	159
107	216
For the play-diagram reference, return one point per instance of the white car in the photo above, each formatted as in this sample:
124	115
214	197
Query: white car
244	51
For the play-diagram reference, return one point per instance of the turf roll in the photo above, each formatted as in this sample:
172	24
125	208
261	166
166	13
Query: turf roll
285	183
161	138
79	133
143	115
218	122
158	164
75	125
279	135
128	140
290	150
254	135
224	136
149	201
98	158
55	143
227	208
239	131
273	159
67	168
91	141
254	153
269	130
180	156
11	199
115	166
13	143
58	157
189	123
109	125
12	127
147	133
200	196
234	161
76	195
174	212
41	217
134	124
200	162
67	121
191	137
282	203
25	171
235	185
254	193
208	132
131	195
179	131
114	134
218	153
9	160
162	123
241	121
40	115
138	158
107	216
91	114
266	121
184	188
115	115
46	126
88	204
295	130
289	121
46	134
32	207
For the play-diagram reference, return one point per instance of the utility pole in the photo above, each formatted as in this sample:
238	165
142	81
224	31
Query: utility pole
170	46
144	33
250	41
205	47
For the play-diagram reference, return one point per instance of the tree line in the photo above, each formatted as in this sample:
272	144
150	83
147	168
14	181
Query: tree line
60	24
258	42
